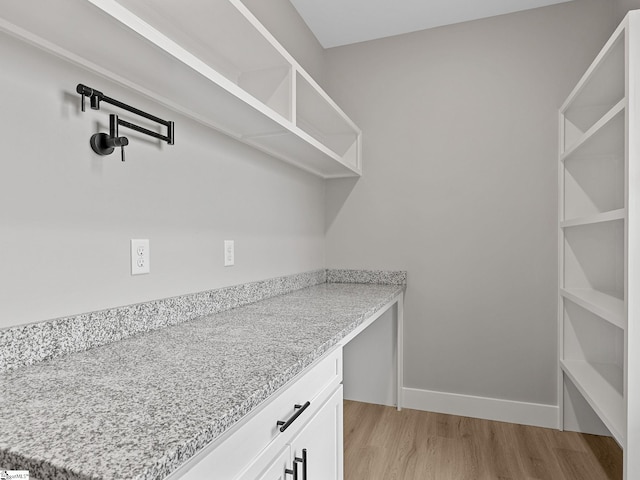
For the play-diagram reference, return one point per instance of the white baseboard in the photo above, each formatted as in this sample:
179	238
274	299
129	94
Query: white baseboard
535	414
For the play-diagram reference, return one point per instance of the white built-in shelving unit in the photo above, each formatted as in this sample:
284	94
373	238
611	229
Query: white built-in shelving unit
210	60
599	227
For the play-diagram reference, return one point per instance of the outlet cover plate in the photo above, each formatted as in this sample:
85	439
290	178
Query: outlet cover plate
140	258
229	253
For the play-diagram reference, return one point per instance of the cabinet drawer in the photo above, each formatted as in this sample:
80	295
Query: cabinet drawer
320	437
225	457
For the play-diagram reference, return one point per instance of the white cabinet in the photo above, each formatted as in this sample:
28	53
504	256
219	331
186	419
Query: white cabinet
314	453
261	447
210	60
599	246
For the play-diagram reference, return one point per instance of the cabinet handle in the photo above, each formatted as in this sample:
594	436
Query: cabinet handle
299	409
294	471
302	460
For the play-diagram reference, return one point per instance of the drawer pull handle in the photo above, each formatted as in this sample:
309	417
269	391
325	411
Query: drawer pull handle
299	409
302	460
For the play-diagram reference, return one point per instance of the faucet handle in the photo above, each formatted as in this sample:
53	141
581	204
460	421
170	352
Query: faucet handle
115	140
83	90
122	142
103	144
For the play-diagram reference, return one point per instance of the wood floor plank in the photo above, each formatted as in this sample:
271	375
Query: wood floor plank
606	454
384	444
500	459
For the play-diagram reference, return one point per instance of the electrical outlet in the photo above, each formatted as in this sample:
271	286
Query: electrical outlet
140	256
229	254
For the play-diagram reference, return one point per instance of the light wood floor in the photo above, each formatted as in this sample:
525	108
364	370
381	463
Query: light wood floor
384	444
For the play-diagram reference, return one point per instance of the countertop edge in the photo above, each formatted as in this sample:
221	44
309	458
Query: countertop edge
25	345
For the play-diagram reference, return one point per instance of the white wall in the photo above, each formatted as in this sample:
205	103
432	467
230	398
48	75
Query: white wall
67	215
460	189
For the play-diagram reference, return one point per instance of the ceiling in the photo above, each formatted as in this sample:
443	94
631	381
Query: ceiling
341	22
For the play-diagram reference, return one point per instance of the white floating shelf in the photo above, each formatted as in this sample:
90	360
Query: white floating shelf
210	60
618	214
601	386
605	306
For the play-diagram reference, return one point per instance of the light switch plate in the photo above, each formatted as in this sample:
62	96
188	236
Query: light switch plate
229	253
140	256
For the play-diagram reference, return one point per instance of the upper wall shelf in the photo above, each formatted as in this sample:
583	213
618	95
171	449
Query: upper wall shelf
210	60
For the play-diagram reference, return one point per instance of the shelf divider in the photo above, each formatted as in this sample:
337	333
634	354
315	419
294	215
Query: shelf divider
595	129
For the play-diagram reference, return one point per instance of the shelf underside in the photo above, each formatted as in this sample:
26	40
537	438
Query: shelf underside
290	147
618	214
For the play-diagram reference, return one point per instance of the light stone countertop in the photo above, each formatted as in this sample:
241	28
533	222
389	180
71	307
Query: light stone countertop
139	407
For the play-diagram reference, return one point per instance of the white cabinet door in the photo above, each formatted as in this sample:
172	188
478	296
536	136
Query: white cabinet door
318	446
276	471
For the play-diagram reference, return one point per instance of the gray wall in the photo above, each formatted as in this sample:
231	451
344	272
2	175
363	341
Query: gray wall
286	25
67	215
623	6
460	189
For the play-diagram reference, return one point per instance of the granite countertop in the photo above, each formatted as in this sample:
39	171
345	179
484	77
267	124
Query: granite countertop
139	407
